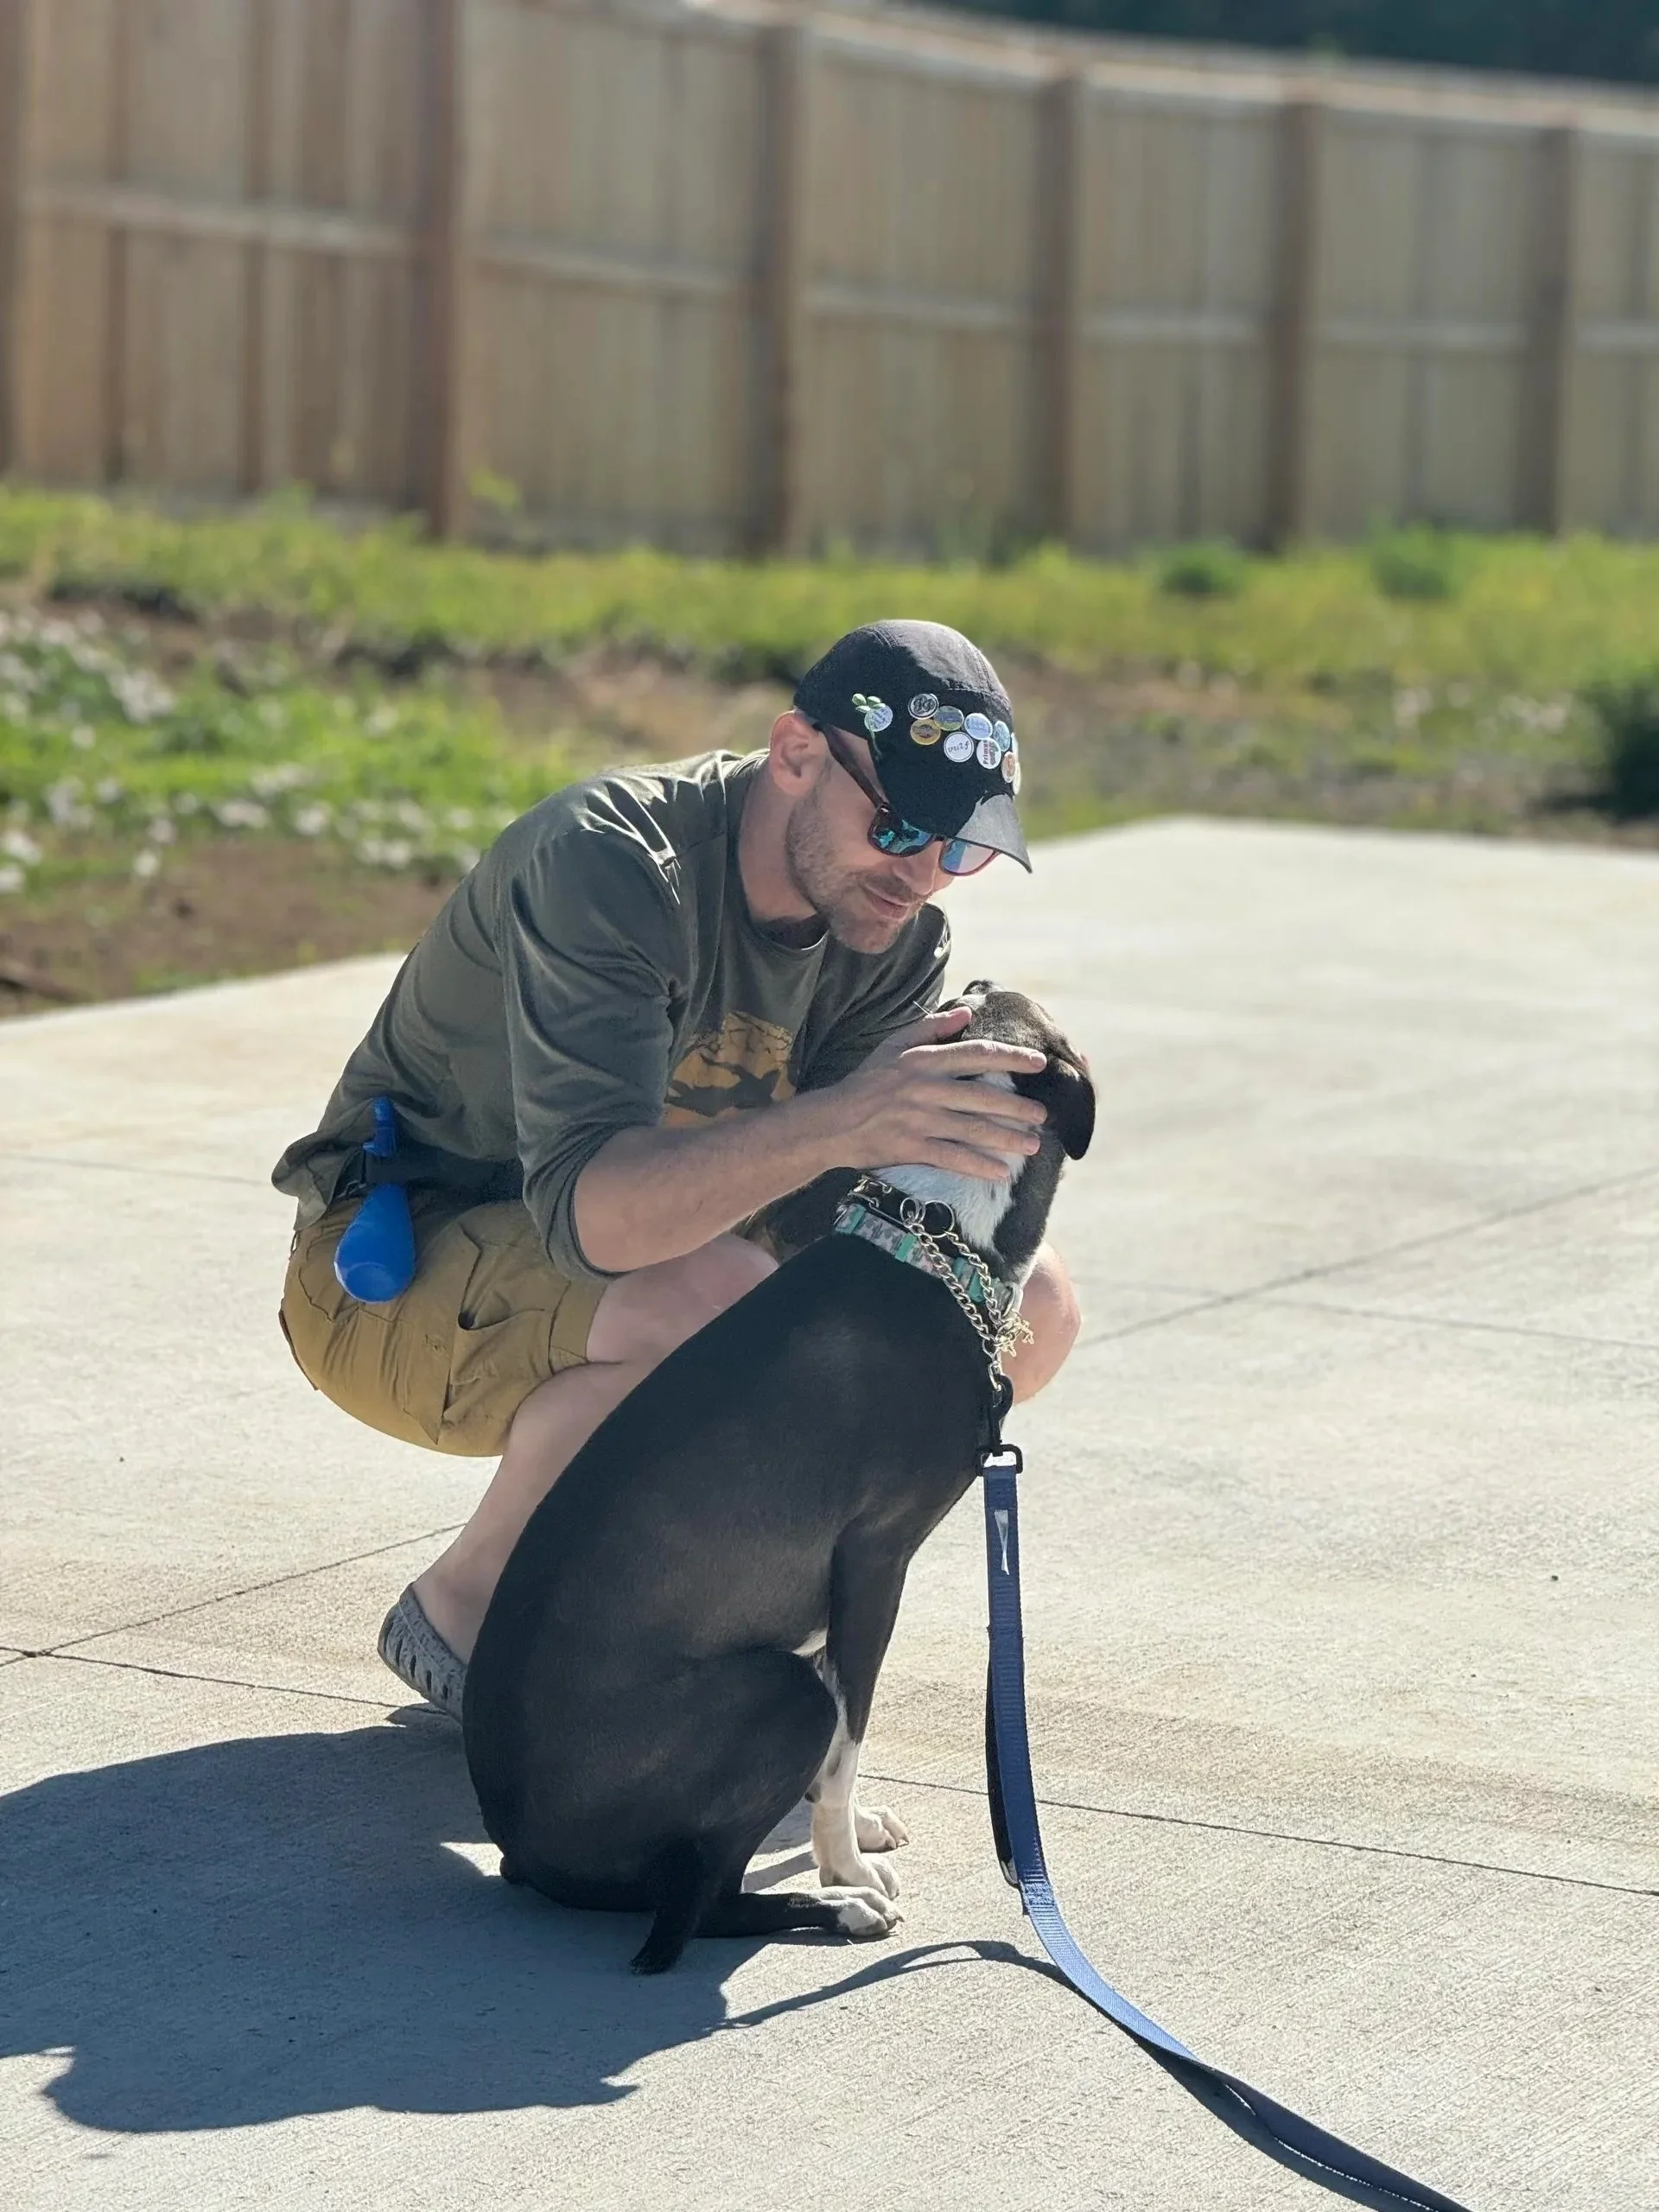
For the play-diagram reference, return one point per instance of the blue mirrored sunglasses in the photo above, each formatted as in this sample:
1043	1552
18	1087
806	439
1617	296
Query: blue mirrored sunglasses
890	833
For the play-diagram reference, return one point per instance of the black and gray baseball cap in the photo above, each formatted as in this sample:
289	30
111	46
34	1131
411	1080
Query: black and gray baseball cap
940	723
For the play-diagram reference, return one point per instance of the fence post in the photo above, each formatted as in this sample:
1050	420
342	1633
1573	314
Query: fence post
1545	488
1295	322
782	523
1062	153
443	461
14	192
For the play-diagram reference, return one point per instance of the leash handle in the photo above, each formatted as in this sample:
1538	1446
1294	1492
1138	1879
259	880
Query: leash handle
1020	1848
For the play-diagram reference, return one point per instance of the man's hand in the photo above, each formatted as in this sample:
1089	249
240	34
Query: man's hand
908	1105
652	1194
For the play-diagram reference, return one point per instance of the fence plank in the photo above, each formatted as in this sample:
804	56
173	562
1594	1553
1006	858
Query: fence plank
117	153
787	117
15	76
443	388
1296	327
1555	335
1062	324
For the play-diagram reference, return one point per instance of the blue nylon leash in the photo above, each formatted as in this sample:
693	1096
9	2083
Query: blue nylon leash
1019	1847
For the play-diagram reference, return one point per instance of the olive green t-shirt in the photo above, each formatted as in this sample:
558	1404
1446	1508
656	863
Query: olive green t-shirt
599	970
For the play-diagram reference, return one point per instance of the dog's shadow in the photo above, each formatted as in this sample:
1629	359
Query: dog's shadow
283	1924
278	1925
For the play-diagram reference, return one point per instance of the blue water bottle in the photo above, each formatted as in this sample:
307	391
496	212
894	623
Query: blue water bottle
375	1259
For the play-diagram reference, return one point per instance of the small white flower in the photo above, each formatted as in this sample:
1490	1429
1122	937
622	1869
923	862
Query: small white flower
287	776
146	864
140	696
160	829
18	845
83	737
241	814
11	877
387	852
63	804
185	802
311	820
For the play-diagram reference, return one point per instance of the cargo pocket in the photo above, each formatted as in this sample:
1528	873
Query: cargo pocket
426	1331
503	1344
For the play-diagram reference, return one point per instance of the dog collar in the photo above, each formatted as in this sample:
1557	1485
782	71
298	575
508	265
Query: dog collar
922	1234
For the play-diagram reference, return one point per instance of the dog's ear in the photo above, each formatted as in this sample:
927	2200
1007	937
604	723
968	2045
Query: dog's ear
1065	1087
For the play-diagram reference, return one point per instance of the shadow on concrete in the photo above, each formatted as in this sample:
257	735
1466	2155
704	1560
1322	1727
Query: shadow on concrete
1225	2106
248	1930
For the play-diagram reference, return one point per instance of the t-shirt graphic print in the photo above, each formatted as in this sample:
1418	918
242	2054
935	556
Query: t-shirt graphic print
742	1065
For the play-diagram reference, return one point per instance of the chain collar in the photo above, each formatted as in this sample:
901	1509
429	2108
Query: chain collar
898	1223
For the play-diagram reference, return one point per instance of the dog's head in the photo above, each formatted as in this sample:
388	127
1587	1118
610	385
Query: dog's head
1005	1221
1063	1087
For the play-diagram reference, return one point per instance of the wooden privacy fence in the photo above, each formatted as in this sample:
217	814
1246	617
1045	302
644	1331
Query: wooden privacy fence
727	278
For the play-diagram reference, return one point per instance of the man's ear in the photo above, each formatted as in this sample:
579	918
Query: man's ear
1065	1087
797	754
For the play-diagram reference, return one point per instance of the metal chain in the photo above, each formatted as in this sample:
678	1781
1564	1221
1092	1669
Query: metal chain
998	1342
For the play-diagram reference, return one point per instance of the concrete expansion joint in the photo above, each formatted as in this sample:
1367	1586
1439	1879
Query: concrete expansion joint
1285	1835
1266	1292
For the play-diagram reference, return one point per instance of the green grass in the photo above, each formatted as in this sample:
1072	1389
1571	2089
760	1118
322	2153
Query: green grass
1529	614
103	765
1421	678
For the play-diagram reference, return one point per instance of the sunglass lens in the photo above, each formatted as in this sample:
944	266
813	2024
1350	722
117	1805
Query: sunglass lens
900	837
960	858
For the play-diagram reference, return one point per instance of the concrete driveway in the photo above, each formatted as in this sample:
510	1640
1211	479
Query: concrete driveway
1340	1559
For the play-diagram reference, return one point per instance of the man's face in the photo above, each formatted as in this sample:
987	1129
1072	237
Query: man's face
865	897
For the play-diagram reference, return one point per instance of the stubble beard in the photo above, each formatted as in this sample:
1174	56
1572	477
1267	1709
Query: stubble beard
836	894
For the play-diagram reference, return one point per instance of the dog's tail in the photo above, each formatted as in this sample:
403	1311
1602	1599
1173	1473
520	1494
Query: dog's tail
688	1882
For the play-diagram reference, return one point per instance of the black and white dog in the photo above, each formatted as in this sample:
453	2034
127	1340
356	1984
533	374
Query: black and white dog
687	1637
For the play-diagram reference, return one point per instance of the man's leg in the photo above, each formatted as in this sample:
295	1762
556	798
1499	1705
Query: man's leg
638	1321
1049	1307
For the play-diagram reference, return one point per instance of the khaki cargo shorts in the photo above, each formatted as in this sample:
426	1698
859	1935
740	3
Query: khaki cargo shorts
448	1363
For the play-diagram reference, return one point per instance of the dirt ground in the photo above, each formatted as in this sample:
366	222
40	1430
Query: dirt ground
1096	752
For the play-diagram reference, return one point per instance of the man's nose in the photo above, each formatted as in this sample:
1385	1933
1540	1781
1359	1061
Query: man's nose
922	870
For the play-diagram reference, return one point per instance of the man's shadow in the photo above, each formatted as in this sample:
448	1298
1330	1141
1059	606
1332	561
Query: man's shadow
277	1925
246	1931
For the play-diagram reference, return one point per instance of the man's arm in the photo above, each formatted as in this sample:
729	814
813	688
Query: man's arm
653	1194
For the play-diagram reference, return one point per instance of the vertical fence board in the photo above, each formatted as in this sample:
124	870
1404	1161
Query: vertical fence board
1062	337
16	71
1298	202
1547	467
785	207
445	366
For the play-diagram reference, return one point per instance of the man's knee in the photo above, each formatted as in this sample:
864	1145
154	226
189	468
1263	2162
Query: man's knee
644	1316
1051	1309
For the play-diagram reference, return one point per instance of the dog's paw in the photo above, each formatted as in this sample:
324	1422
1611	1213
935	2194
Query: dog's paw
878	1829
854	1872
864	1914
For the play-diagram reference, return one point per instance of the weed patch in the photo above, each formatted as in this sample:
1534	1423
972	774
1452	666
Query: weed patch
1626	711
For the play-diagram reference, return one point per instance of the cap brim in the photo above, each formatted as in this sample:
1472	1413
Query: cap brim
994	822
